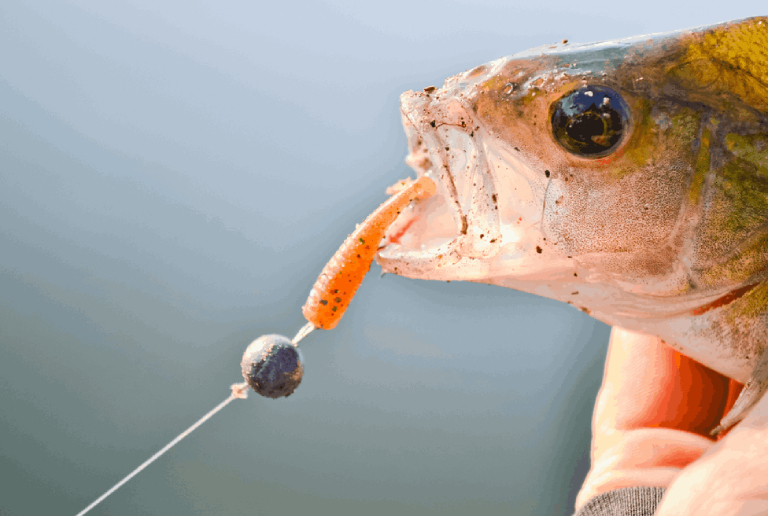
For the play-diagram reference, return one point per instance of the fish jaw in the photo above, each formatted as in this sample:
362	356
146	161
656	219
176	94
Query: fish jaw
486	220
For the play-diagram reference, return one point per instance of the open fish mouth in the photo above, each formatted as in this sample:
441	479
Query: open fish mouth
487	217
457	229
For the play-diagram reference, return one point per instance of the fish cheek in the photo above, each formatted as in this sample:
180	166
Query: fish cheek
628	202
624	203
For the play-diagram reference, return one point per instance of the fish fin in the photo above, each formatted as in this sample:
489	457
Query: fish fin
753	391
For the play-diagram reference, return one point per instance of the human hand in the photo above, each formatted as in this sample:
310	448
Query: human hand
652	420
729	479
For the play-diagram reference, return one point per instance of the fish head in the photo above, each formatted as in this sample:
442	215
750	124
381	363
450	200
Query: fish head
581	168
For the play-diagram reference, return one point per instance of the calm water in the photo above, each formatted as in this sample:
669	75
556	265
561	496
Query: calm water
173	179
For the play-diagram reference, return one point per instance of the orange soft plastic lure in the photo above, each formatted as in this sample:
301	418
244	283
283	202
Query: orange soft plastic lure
344	272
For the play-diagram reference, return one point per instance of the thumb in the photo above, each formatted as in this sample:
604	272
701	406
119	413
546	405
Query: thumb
728	480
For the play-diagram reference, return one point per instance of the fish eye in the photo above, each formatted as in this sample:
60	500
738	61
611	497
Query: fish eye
590	122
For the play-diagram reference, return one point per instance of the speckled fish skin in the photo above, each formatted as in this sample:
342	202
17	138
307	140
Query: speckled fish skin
667	235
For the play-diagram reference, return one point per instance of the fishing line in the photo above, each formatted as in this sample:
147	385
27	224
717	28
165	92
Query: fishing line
272	364
239	391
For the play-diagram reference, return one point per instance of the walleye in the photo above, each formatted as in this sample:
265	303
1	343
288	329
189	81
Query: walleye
628	178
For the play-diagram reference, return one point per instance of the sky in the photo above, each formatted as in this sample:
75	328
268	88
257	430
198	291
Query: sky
173	177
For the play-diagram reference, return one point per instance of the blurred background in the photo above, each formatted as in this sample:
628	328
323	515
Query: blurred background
173	177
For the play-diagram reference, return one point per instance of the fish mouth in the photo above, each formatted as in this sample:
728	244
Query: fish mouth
453	233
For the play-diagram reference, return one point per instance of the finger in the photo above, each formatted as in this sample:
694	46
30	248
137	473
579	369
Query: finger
642	457
647	384
652	415
730	478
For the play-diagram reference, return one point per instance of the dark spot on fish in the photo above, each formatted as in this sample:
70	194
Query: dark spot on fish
575	274
336	291
323	302
493	241
334	308
494	198
565	41
546	173
361	240
447	148
432	123
538	249
429	89
464	225
585	310
575	293
518	150
482	235
472	134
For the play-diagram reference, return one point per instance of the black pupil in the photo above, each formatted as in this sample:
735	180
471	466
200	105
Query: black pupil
590	121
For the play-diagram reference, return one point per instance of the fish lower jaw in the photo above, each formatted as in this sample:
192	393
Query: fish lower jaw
447	262
424	244
440	262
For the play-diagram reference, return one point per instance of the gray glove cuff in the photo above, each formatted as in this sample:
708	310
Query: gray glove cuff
630	501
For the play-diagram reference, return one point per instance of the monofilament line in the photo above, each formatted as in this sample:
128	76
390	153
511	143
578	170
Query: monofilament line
303	332
239	390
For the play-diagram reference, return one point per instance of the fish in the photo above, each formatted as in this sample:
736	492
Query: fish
627	178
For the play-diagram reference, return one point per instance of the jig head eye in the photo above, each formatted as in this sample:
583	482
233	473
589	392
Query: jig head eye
590	122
